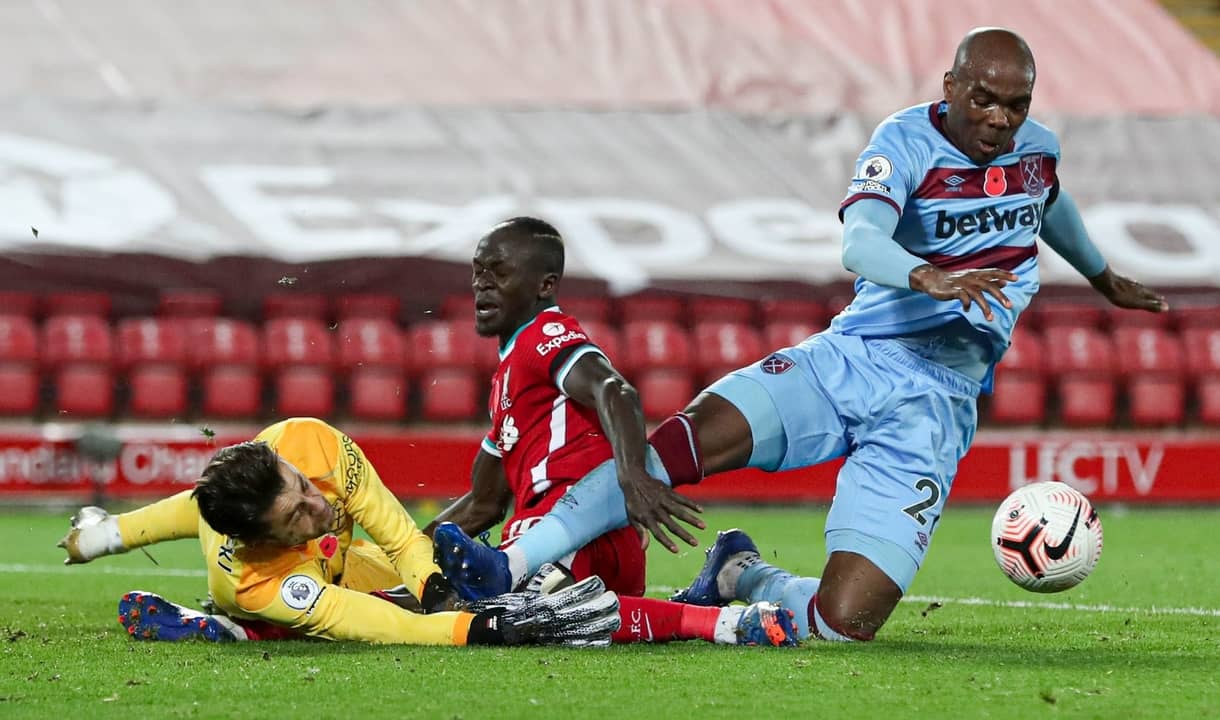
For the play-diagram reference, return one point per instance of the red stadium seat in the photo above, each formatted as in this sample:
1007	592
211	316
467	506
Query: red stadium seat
157	391
370	342
664	392
18	339
378	393
150	340
451	344
1019	398
189	303
605	337
76	338
651	307
18	389
1025	354
296	341
1200	313
295	305
1086	400
786	333
587	309
457	307
1156	401
220	341
15	302
450	393
723	347
812	312
367	305
231	391
1202	350
654	345
1208	392
1141	351
84	390
77	303
304	390
1120	318
1077	349
1048	312
722	309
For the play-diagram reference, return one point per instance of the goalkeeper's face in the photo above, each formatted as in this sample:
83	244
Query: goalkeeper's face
299	513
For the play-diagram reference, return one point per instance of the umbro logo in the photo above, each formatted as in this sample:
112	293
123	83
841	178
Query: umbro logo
953	183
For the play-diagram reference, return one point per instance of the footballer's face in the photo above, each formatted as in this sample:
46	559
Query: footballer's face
988	103
507	290
300	512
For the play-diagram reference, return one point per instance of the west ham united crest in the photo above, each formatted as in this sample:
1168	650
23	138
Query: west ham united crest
1031	174
776	364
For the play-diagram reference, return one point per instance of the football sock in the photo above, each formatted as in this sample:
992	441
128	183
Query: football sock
677	448
657	621
589	509
762	581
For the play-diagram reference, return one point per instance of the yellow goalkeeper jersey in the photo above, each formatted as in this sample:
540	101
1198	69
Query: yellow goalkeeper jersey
305	587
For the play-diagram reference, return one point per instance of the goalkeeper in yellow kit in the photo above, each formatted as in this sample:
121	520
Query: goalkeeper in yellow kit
274	517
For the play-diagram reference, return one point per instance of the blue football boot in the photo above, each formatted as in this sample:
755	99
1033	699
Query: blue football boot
151	617
767	624
476	571
732	548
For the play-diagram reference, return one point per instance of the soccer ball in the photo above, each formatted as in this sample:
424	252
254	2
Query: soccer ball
1046	537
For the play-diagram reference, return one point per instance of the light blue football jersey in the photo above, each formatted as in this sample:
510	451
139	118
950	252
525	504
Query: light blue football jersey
956	215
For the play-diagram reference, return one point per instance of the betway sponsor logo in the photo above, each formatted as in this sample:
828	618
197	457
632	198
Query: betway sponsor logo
559	341
1090	466
988	220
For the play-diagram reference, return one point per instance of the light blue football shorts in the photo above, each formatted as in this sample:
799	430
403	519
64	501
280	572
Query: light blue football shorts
903	423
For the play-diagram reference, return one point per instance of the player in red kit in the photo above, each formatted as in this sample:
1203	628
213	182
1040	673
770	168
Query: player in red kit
559	409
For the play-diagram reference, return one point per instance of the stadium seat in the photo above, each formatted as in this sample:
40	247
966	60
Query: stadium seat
722	309
18	339
587	309
377	393
18	389
664	392
1202	351
605	337
786	333
84	390
1208	392
296	341
76	338
1141	351
157	391
1019	398
367	305
1117	317
1086	400
654	344
150	340
1025	353
189	303
449	394
1048	312
303	390
77	303
724	346
812	312
231	392
1156	401
450	344
1077	349
651	307
1200	313
370	342
457	307
295	305
15	302
220	341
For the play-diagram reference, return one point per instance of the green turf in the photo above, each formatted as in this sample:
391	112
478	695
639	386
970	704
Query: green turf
62	655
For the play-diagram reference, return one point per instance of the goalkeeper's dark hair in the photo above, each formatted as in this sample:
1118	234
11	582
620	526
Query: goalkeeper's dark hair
237	488
544	241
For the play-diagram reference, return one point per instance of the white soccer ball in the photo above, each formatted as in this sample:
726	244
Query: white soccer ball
1046	537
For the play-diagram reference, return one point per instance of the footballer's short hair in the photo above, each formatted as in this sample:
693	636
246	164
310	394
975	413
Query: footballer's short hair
237	488
543	240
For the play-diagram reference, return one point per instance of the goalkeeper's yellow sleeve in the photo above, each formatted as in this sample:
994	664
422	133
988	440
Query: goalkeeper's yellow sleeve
302	600
175	517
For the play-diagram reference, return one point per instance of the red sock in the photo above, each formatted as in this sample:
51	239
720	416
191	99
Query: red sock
678	446
260	630
651	620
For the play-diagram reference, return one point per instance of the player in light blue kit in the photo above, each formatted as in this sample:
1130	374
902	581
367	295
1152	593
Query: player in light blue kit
940	223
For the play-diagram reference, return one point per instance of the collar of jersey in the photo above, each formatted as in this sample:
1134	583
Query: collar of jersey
512	340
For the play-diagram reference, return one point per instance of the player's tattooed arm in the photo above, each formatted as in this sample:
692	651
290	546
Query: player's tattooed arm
485	504
651	504
981	287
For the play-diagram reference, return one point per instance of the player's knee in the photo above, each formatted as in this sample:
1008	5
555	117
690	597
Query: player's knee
845	621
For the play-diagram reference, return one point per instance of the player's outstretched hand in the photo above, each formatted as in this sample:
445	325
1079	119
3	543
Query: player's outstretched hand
1124	292
581	615
88	537
654	506
969	286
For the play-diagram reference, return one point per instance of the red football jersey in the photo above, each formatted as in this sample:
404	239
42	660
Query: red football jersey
543	438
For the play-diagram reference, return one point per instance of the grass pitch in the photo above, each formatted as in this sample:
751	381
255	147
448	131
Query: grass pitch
1139	639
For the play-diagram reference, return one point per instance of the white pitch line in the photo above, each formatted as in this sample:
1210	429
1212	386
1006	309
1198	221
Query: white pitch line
1033	604
22	568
